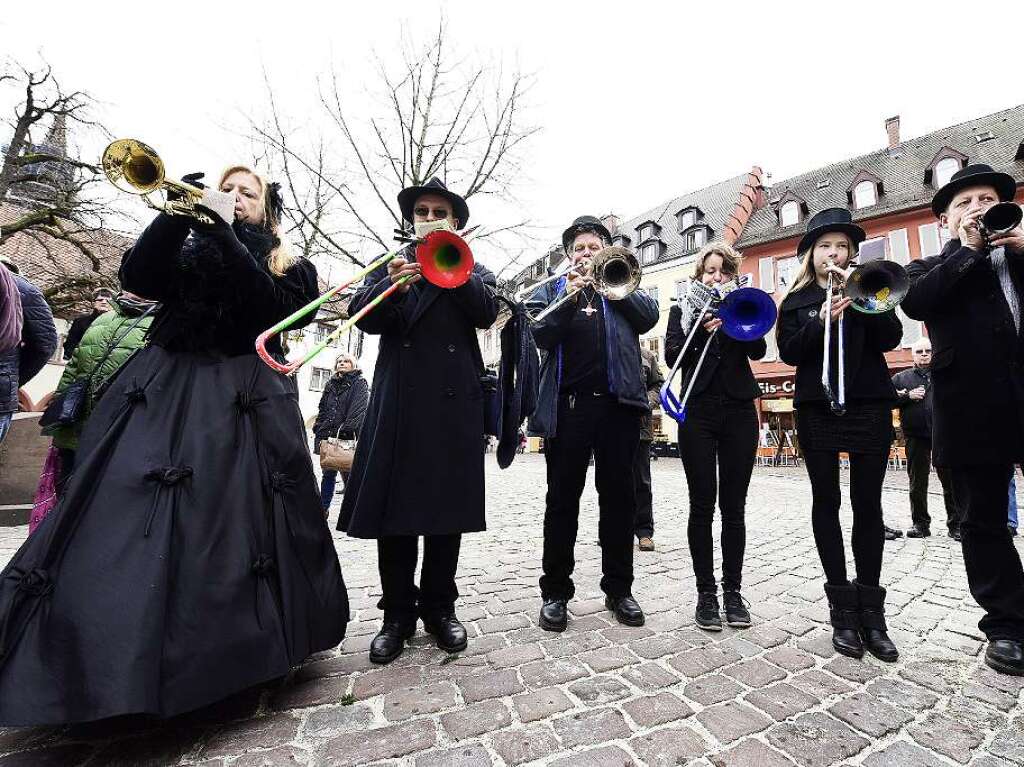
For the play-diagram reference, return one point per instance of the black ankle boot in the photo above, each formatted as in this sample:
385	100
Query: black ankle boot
554	615
845	616
390	641
448	632
872	623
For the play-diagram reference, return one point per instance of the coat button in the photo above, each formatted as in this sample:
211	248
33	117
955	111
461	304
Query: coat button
451	347
406	343
449	392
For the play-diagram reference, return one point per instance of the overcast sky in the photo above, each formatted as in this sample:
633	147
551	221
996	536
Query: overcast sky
638	102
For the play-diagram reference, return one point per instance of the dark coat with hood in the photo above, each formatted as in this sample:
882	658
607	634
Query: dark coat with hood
977	356
801	337
419	464
38	342
624	321
342	407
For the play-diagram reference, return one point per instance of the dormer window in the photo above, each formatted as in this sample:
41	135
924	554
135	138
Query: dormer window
696	238
688	217
789	213
648	231
621	240
650	252
864	190
944	164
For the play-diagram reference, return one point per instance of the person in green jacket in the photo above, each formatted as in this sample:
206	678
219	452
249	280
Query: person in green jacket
108	343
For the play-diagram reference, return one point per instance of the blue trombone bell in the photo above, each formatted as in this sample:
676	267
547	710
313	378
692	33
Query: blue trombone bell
747	314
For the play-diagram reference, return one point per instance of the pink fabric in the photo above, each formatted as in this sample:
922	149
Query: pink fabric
10	311
46	492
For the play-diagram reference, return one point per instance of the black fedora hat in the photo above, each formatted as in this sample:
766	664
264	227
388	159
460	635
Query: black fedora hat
584	224
974	175
830	220
408	196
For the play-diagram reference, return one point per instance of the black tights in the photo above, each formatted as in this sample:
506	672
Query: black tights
867	470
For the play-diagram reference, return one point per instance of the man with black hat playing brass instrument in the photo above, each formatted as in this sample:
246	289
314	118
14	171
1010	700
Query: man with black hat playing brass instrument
591	401
419	466
970	297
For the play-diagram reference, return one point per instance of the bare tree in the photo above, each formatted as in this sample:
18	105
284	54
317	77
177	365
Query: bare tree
434	115
51	212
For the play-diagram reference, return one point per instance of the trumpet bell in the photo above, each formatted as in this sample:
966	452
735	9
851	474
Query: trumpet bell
1001	218
133	166
446	259
747	314
877	286
616	272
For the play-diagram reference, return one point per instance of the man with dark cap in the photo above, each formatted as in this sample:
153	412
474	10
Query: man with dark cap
419	468
100	305
970	296
591	401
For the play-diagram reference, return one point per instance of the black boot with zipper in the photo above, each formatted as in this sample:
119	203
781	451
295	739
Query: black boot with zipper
872	623
844	613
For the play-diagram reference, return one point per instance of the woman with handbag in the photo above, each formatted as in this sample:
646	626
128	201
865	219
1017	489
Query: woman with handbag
188	558
341	413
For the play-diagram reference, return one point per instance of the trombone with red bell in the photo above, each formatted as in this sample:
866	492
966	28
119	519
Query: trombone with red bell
446	262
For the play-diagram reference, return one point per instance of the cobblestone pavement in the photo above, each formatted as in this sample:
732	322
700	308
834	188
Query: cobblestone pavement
603	694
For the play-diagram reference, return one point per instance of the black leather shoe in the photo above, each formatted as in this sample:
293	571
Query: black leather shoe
553	615
707	615
627	611
1006	656
918	532
449	634
872	623
845	617
954	533
891	533
736	613
389	643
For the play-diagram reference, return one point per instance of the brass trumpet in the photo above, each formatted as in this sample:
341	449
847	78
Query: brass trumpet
615	272
136	168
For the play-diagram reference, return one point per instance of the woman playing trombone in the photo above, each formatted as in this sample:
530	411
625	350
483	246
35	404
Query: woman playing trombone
719	436
858	421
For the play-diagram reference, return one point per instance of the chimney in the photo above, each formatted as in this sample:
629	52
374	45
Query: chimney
892	129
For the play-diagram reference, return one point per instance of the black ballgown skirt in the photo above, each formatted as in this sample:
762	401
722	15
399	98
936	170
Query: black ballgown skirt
189	558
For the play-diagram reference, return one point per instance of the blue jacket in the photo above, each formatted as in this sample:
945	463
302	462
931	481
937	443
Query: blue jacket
624	321
38	342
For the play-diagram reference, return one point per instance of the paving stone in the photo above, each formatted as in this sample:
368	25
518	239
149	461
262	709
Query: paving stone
382	681
1009	743
790	658
1004	701
525	744
781	701
711	689
326	722
606	756
315	692
66	755
653	710
870	715
765	635
590	728
548	673
480	718
381	743
947	736
282	756
502	623
755	673
731	721
657	646
859	671
816	740
649	676
669	746
818	643
165	745
750	753
608	658
516	655
903	754
470	755
415	701
573	643
820	684
936	676
695	663
600	689
264	732
902	694
541	704
493	684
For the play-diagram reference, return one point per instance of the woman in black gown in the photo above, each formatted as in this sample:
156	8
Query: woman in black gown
189	558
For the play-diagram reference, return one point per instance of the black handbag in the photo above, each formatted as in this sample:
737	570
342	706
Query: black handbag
67	407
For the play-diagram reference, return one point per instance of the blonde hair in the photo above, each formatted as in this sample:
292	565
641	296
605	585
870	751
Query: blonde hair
346	356
805	274
731	259
280	259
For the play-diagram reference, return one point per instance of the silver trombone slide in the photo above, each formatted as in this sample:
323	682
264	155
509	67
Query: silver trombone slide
570	293
837	403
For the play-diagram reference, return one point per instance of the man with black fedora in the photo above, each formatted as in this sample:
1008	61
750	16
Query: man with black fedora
970	297
591	400
419	468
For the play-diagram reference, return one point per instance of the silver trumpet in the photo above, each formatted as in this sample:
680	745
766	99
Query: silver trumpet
614	271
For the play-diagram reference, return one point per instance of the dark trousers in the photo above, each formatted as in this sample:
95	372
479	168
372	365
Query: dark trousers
867	470
719	431
437	592
327	484
610	431
643	524
993	565
919	464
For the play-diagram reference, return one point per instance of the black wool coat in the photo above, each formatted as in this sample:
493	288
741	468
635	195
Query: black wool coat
801	337
977	356
727	359
419	464
342	406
